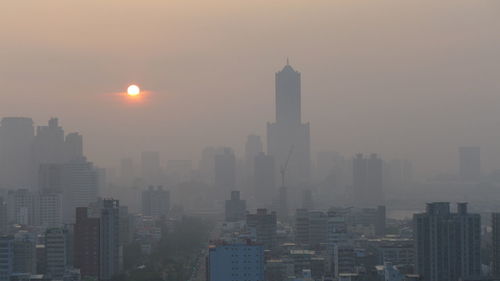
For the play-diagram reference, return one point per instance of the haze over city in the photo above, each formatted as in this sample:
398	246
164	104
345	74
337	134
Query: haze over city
403	79
319	140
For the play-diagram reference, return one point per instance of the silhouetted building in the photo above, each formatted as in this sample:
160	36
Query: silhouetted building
367	181
73	147
155	202
17	167
49	143
311	228
447	244
288	139
87	243
235	208
80	181
50	178
253	147
265	225
470	163
225	171
110	250
264	179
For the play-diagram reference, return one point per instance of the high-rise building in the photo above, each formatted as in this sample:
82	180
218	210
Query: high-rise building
17	167
56	252
50	209
24	253
253	147
288	140
80	180
73	147
22	207
110	249
447	244
311	228
50	178
265	225
470	163
49	143
87	243
151	168
367	189
155	202
236	262
264	179
7	257
495	237
225	171
235	208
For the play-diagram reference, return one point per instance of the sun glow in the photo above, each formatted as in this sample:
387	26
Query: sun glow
133	90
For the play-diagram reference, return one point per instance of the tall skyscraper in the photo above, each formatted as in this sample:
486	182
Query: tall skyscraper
225	171
367	189
110	257
17	167
73	147
50	178
288	138
235	262
235	208
447	244
470	163
264	179
49	143
80	182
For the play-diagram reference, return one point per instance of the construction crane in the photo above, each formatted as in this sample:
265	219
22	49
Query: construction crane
284	167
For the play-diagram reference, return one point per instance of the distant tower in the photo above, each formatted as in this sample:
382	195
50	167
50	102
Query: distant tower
49	143
73	146
367	189
225	171
235	208
17	167
264	179
470	163
289	131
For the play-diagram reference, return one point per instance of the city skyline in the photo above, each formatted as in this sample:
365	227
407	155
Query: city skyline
398	95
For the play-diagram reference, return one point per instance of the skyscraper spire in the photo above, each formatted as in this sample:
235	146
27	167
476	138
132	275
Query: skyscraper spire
287	61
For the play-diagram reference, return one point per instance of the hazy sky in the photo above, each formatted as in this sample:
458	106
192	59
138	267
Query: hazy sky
410	79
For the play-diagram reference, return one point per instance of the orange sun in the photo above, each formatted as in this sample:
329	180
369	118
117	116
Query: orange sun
133	90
